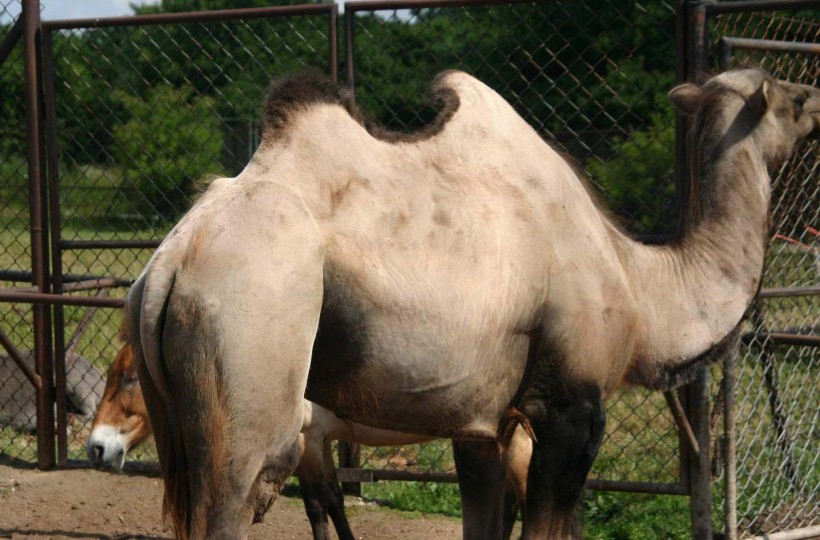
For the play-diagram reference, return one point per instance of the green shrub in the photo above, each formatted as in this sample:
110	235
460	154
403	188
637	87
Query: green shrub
172	139
639	178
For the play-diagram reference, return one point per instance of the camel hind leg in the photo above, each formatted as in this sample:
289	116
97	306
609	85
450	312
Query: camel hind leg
237	373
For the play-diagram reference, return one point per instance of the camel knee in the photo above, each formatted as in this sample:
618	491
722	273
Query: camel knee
569	427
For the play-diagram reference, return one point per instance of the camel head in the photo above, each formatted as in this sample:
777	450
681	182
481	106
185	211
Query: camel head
748	104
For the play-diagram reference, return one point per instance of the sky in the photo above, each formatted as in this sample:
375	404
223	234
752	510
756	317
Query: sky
75	9
81	9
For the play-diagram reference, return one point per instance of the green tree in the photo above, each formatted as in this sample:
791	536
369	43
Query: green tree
638	178
172	139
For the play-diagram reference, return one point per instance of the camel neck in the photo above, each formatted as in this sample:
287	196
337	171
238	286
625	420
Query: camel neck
693	293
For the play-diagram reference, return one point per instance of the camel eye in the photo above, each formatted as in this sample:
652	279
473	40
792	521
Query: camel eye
798	106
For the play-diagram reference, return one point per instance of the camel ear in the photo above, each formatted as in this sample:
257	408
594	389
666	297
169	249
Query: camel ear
761	99
687	97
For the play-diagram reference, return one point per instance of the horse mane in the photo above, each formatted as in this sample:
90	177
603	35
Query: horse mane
289	95
122	332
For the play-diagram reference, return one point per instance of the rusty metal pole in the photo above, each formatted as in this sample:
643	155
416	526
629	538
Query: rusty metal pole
700	473
350	79
333	39
39	264
52	161
350	458
730	444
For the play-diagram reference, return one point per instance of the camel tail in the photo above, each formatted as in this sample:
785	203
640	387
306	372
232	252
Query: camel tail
145	330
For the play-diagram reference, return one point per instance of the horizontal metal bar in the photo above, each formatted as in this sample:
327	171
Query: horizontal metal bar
370	475
771	45
110	244
777	292
794	534
657	488
59	299
86	285
758	5
192	17
783	338
25	276
374	475
17	356
377	5
11	39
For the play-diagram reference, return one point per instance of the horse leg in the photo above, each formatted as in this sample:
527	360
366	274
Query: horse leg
313	489
568	422
336	497
321	492
481	481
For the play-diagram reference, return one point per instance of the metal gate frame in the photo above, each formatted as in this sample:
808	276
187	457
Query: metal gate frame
44	184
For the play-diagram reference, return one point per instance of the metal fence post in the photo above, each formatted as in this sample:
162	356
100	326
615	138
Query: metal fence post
730	446
39	263
700	473
700	477
350	458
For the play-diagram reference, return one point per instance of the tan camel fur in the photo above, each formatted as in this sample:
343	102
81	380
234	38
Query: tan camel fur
447	283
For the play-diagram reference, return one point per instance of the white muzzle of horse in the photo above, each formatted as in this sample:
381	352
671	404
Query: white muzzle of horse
106	448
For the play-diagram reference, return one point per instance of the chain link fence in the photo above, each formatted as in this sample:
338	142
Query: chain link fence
777	375
589	86
17	403
146	114
143	111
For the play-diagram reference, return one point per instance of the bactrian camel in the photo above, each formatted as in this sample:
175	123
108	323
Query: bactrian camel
451	282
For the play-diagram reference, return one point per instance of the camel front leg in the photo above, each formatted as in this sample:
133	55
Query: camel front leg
568	421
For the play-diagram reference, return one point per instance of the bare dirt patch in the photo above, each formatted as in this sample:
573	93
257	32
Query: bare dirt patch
90	504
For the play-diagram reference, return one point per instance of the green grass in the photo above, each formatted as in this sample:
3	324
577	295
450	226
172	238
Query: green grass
426	497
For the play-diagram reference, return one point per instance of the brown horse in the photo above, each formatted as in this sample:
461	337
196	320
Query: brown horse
121	423
449	282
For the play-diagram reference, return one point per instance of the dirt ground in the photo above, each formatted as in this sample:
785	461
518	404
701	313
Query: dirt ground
90	504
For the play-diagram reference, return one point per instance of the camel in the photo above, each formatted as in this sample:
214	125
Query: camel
121	423
451	282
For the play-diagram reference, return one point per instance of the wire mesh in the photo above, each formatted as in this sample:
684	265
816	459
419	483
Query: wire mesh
777	398
587	86
17	404
589	76
146	115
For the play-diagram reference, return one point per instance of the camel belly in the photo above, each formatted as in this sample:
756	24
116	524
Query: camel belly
413	372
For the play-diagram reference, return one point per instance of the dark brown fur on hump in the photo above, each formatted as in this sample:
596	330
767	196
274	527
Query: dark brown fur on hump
289	95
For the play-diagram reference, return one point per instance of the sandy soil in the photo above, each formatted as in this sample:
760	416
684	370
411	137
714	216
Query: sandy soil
91	504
